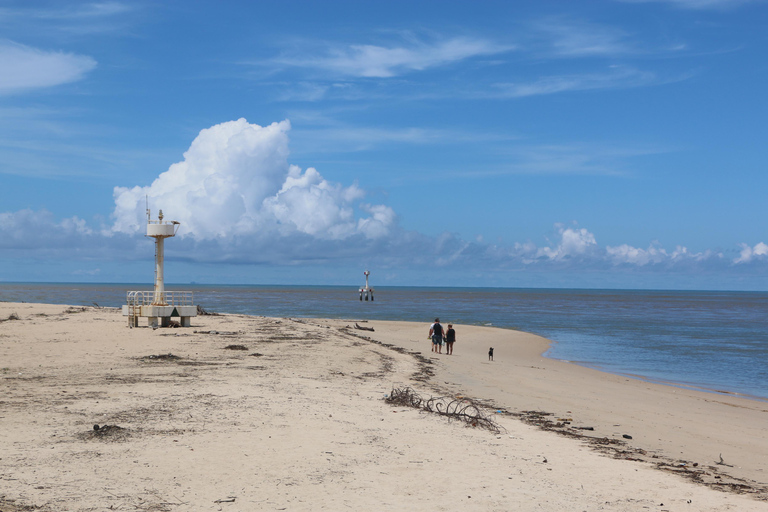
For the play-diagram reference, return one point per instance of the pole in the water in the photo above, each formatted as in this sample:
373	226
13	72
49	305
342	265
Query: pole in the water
367	291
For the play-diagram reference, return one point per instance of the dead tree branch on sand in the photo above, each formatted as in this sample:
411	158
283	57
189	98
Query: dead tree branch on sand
459	409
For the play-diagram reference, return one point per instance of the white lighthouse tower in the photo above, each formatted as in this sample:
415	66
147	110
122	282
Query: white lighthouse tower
161	308
160	231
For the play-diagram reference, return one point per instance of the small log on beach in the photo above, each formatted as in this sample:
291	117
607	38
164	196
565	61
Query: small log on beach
363	328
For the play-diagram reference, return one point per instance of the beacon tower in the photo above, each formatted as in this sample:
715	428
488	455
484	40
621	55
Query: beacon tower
161	308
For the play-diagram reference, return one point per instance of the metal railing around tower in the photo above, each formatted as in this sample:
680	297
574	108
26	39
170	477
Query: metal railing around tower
166	298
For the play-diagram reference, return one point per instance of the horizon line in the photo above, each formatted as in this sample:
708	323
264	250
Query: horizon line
390	286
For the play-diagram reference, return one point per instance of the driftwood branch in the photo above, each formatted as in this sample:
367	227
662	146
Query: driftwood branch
459	409
722	462
363	328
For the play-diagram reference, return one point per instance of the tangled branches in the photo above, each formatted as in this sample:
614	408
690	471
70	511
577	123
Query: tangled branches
12	316
459	409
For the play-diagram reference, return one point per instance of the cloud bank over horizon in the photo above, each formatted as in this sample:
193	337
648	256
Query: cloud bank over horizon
240	201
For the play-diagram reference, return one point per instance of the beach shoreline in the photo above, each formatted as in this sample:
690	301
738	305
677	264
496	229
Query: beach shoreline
67	369
604	396
660	381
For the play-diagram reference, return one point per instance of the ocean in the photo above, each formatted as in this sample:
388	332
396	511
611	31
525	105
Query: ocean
716	341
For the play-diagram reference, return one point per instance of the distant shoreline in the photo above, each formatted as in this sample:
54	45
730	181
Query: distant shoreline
580	322
355	286
597	367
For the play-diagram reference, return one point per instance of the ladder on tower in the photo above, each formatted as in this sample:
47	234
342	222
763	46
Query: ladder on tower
134	309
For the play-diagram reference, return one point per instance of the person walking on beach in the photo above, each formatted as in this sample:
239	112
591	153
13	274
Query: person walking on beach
450	338
436	333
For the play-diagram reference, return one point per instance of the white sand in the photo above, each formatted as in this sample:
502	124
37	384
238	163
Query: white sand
298	422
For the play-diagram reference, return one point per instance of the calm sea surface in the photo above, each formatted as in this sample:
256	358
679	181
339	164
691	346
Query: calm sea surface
715	340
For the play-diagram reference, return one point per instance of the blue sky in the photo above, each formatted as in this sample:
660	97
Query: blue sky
555	144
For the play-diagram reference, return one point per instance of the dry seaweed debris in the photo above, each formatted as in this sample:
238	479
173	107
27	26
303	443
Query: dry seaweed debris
105	433
161	357
463	409
10	505
425	365
617	448
12	316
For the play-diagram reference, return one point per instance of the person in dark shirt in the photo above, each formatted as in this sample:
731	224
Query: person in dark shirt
450	337
436	333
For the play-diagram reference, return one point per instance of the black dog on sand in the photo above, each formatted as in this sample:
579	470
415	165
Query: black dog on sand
490	354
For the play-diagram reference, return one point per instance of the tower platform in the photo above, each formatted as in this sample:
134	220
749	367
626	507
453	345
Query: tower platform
160	310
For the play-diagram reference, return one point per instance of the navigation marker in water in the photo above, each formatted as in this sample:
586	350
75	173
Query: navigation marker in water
367	291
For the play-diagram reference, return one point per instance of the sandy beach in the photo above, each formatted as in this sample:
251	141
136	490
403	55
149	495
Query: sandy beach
240	413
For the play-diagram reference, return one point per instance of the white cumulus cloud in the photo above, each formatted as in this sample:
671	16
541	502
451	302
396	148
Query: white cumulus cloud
635	256
573	243
748	254
235	180
25	68
625	254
